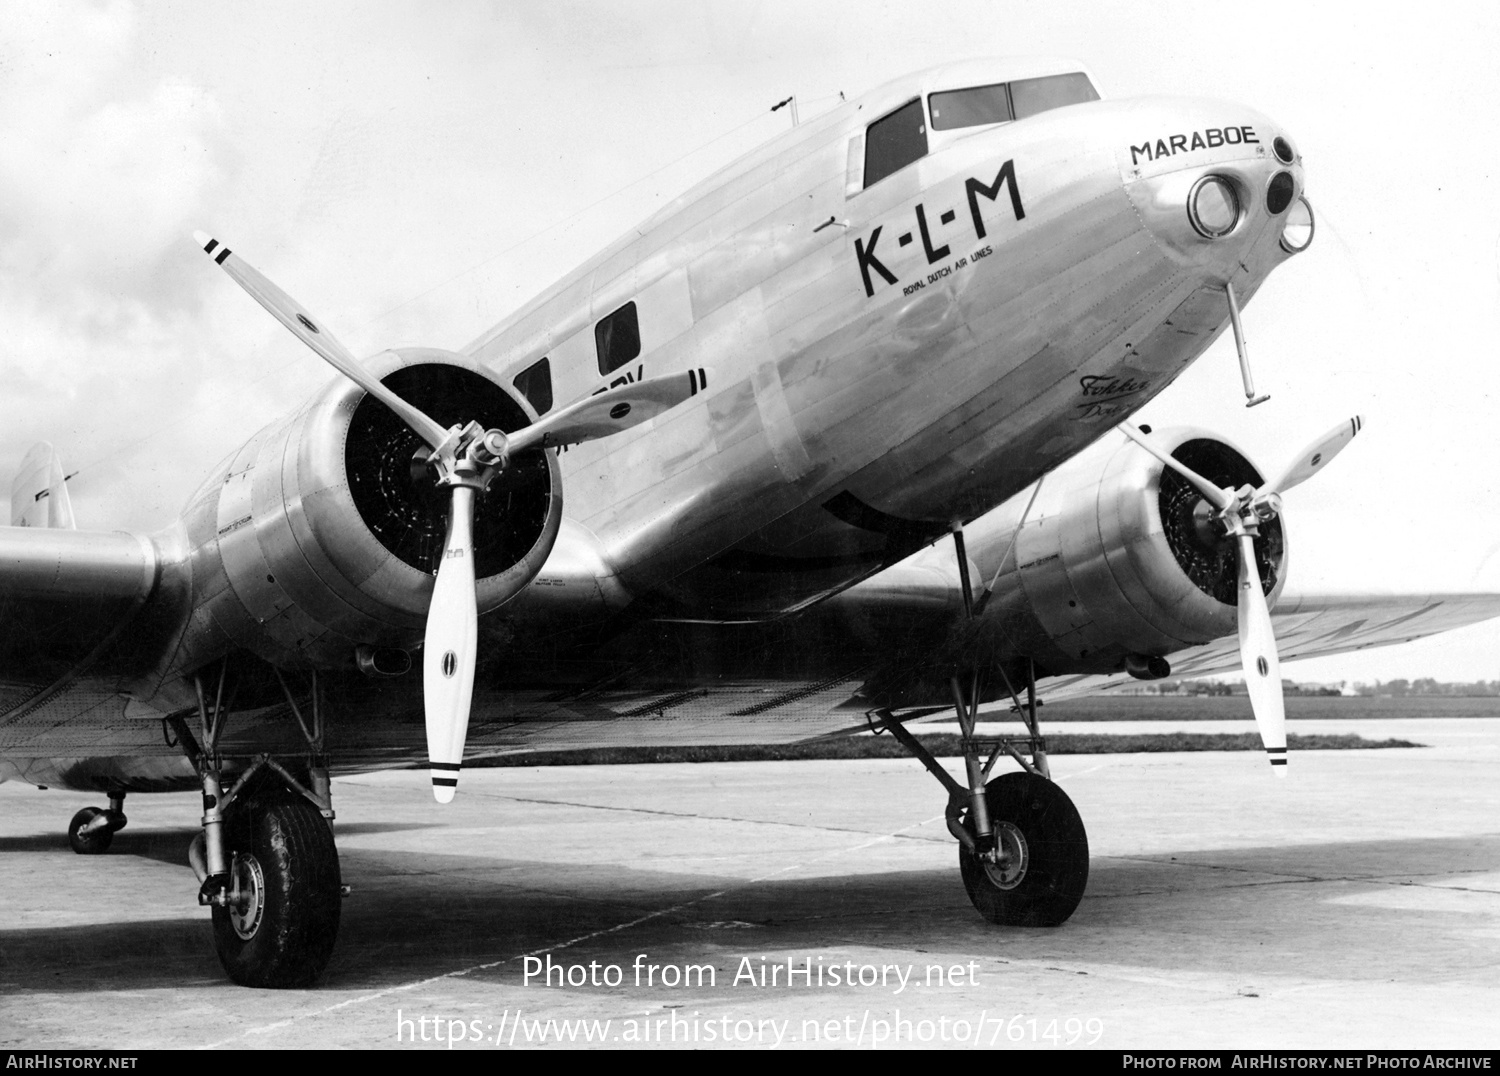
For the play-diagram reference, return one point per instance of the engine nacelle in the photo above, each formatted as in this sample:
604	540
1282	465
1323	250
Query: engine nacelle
323	533
1120	561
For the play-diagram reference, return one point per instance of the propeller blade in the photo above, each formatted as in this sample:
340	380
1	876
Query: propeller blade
1315	455
1211	493
306	328
1258	657
608	412
448	654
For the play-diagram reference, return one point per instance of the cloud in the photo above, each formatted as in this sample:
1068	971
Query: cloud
101	174
104	174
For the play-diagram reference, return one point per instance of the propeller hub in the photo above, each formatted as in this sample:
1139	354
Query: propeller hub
492	447
1203	537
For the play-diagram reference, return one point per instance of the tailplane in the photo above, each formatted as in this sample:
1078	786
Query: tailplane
39	494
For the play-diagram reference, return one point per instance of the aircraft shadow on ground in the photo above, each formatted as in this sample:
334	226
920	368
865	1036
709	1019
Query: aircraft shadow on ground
417	914
165	845
169	844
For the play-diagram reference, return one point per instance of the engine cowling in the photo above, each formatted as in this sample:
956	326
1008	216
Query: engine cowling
323	533
1121	562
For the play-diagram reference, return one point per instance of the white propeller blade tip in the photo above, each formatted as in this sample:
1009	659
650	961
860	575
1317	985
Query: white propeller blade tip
202	238
444	782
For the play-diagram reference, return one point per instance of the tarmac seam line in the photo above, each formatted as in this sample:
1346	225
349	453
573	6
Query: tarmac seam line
702	817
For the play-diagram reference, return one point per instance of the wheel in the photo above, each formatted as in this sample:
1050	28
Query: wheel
1045	863
92	843
280	924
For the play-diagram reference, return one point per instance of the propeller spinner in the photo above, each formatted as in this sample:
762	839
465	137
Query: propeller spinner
1240	512
465	458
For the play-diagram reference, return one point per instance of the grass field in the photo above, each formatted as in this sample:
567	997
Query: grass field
1237	707
943	745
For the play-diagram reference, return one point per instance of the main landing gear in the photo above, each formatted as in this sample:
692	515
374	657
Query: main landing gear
1023	852
266	860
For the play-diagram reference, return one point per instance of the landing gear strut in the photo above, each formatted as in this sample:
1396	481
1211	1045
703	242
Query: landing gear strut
266	860
1023	852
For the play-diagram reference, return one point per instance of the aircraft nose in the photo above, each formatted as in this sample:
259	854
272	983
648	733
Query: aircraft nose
1217	184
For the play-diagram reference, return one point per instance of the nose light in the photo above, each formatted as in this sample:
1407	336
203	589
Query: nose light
1213	207
1279	193
1283	149
1297	232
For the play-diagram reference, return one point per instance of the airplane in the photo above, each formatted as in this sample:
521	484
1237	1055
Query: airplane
835	442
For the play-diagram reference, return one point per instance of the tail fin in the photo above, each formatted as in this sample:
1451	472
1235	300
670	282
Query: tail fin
39	495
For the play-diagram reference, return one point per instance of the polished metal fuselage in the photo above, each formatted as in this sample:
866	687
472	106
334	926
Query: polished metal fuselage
850	419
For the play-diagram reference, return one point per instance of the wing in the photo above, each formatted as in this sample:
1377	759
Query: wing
1313	625
82	737
650	683
65	597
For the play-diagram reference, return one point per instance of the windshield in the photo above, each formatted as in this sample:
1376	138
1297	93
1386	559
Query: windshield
1033	95
970	107
975	106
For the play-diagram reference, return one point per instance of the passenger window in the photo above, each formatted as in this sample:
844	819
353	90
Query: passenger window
894	141
1033	95
535	383
969	108
618	338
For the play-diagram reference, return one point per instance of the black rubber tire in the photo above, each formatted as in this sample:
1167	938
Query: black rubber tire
1057	869
292	942
96	842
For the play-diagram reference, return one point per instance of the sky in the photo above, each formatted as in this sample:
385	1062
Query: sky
414	172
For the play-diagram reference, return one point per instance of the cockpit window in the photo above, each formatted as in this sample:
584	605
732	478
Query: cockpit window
969	108
1033	95
894	141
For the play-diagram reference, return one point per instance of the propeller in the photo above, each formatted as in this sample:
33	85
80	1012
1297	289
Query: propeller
300	321
1315	455
449	650
465	459
1241	512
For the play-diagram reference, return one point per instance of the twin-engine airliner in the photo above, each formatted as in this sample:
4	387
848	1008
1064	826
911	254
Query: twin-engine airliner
799	455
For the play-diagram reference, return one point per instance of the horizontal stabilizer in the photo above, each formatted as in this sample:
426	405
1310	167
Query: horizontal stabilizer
39	494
